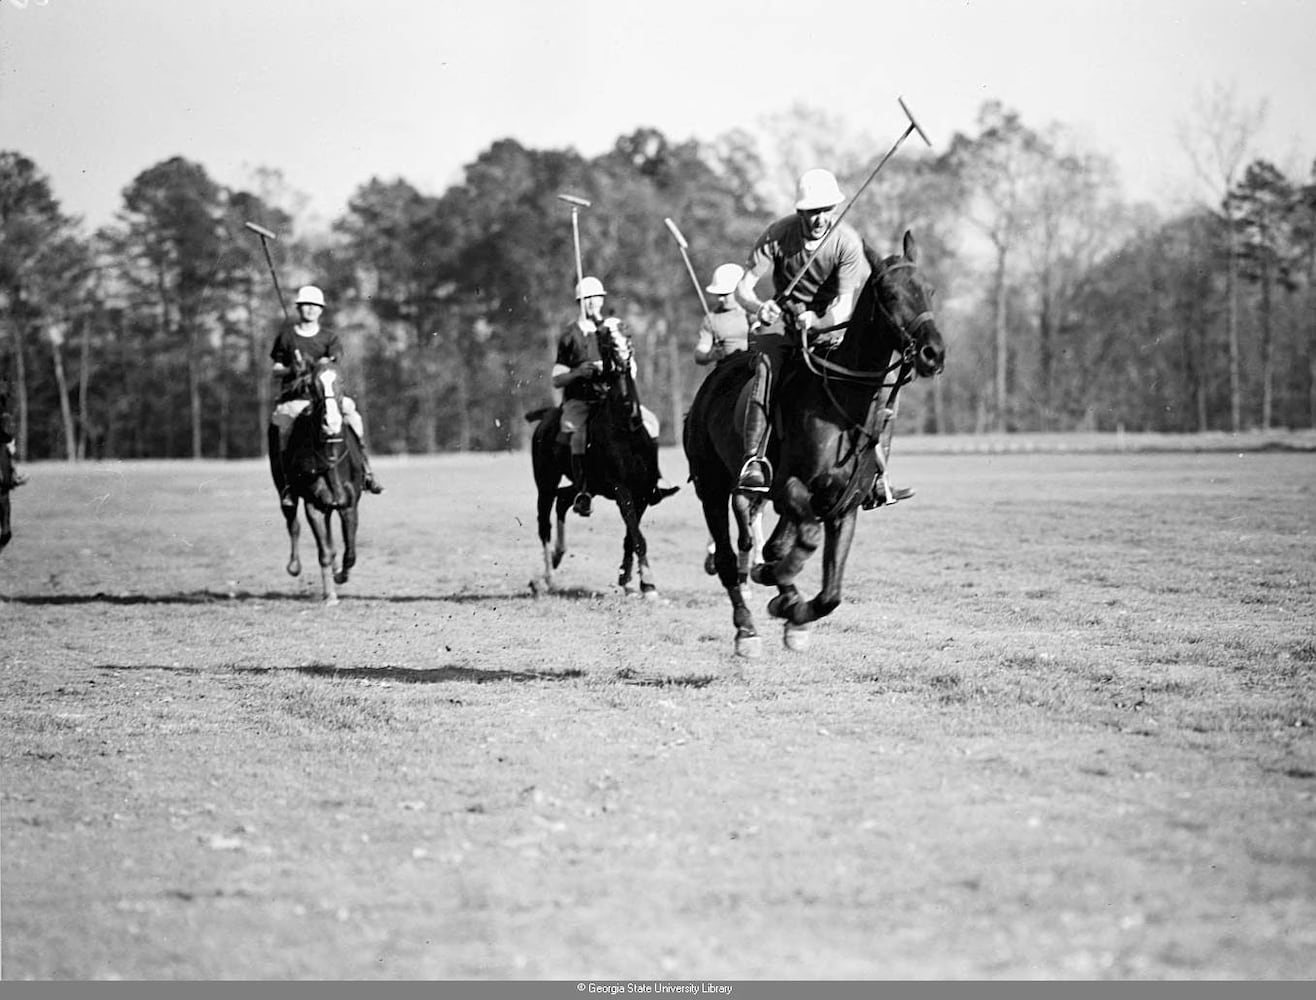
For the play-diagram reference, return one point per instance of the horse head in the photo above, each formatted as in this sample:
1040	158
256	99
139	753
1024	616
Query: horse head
616	350
327	400
618	355
897	300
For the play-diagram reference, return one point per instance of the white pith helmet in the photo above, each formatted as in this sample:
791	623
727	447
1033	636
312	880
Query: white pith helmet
310	295
589	286
725	279
817	189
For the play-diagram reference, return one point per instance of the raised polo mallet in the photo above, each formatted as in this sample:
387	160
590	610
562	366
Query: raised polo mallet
264	235
576	205
913	127
680	242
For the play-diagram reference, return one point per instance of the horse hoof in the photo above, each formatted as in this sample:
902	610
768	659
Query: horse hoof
749	646
760	575
294	569
649	593
330	600
796	637
340	578
557	559
710	565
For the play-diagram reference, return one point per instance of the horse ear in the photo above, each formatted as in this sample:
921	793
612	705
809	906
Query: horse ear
911	248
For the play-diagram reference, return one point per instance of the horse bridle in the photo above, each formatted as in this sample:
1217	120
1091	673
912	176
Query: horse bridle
908	332
323	453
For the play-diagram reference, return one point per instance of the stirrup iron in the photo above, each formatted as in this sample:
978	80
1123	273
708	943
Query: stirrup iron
768	475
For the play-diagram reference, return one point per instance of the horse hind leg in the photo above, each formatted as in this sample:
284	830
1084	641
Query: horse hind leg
552	523
749	538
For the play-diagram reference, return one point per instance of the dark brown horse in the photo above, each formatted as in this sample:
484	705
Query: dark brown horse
831	409
326	474
6	466
621	464
6	484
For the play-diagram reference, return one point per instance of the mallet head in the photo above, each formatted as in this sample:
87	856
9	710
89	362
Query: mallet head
680	240
571	199
260	231
913	122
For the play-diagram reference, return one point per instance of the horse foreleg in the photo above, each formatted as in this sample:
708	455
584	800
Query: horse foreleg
837	536
780	542
626	571
635	549
805	534
800	614
348	519
324	544
294	536
5	531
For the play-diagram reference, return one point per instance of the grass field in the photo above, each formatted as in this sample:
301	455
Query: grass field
1061	728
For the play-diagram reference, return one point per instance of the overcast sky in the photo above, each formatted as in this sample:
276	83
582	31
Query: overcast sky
334	92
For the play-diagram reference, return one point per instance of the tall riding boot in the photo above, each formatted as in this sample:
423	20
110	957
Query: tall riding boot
277	471
371	484
756	472
582	505
662	489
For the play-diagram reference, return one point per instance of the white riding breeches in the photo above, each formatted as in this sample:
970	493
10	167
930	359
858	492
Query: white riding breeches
650	420
286	413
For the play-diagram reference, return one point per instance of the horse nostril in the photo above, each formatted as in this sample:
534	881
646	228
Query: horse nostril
931	357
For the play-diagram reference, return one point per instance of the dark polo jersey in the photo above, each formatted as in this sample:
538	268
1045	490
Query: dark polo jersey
288	344
578	345
839	268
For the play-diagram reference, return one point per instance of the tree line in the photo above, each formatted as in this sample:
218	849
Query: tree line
1065	307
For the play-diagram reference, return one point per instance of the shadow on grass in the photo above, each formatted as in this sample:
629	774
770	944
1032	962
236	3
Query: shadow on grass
226	597
403	675
436	675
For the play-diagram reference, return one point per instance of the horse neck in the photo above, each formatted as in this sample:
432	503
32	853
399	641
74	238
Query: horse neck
871	342
618	400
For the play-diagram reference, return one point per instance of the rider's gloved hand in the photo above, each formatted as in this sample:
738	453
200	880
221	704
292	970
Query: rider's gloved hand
768	313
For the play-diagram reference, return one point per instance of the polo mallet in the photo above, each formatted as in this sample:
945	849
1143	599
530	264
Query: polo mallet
264	235
576	205
680	242
913	127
